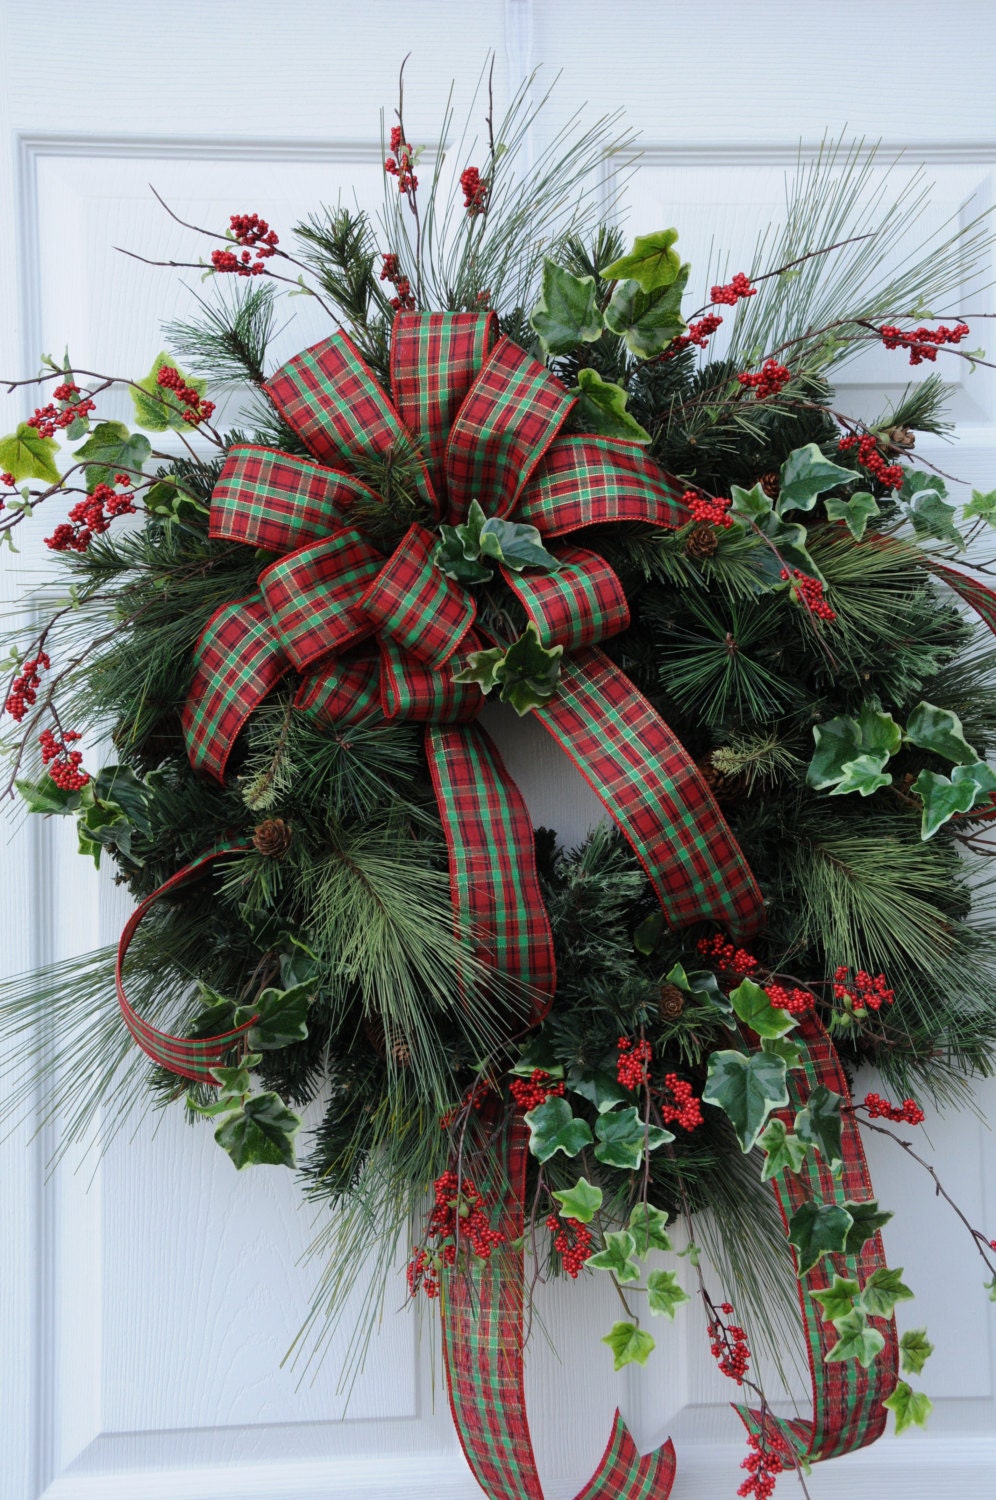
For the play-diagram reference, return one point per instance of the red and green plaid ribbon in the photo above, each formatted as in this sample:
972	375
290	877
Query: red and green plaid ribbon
847	1399
482	1320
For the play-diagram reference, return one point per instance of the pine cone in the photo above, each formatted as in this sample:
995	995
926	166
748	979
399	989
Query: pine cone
702	540
671	1002
272	838
770	484
376	1035
901	438
725	788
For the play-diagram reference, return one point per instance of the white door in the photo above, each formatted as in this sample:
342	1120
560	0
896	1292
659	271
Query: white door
148	1298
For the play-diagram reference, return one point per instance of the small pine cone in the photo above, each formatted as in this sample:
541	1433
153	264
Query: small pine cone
902	438
272	838
671	1002
402	1054
770	484
725	788
702	540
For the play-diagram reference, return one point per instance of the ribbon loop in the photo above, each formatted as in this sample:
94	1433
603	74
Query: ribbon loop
313	597
510	416
411	690
417	604
343	692
583	602
277	501
238	662
434	359
586	480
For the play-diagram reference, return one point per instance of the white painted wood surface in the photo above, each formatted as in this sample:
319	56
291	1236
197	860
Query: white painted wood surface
145	1312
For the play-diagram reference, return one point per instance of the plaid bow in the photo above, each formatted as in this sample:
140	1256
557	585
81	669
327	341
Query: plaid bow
368	630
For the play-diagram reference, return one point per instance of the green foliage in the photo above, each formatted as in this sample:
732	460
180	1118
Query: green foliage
784	1151
746	1089
553	1128
857	1340
229	344
112	449
880	1293
910	1408
646	1225
617	1257
26	455
652	263
157	407
601	408
755	1009
915	1349
818	1229
837	1300
262	1131
581	1202
855	512
819	1125
648	320
463	551
866	1219
630	1345
622	1137
525	673
567	312
664	1295
805	475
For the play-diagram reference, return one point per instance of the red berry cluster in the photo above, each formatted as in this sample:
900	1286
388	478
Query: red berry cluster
24	689
725	957
767	381
64	765
729	1346
808	591
686	1109
923	343
697	334
529	1093
733	290
391	271
473	1099
909	1112
401	161
870	457
708	508
632	1068
46	420
456	1214
7	480
91	517
170	379
475	189
770	1456
865	991
795	1001
254	234
572	1240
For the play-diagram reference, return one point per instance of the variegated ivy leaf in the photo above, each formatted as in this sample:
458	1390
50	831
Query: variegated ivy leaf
602	408
943	796
653	261
842	741
915	1349
648	321
622	1135
866	1219
819	1125
526	674
754	1008
983	505
617	1256
857	1339
566	314
553	1128
746	1089
25	455
630	1345
910	1408
940	730
805	476
785	1152
581	1202
646	1225
664	1295
818	1229
883	1289
855	513
837	1300
261	1132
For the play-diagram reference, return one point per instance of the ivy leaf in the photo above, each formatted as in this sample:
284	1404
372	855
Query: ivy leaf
235	1083
915	481
790	538
482	668
25	455
516	545
910	1408
940	730
553	1128
157	408
646	1225
746	1089
262	1131
942	796
599	1088
843	740
100	826
753	504
784	1047
752	1005
119	787
617	1256
863	775
538	1052
837	1300
567	311
704	988
452	559
281	1017
664	1294
933	517
785	1151
866	1219
43	796
857	1340
855	513
621	1137
880	1293
111	449
648	321
630	1345
648	933
652	262
805	476
818	1229
602	408
981	505
529	672
915	1349
580	1202
819	1125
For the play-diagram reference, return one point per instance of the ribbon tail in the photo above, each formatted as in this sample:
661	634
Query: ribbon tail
482	1347
847	1399
497	900
188	1057
653	791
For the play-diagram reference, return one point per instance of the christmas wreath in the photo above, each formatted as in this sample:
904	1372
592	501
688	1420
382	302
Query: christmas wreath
496	477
